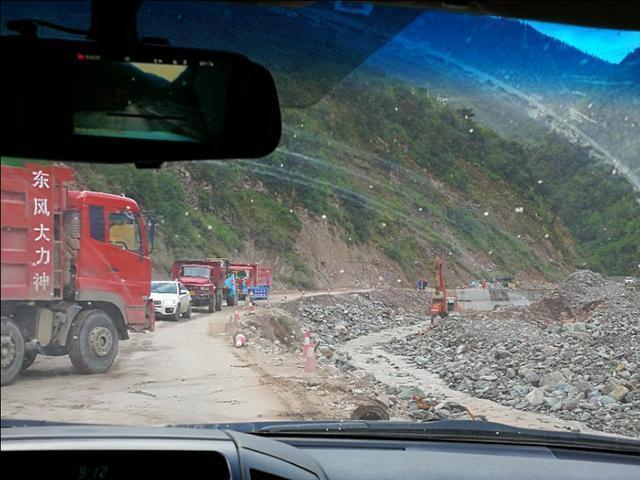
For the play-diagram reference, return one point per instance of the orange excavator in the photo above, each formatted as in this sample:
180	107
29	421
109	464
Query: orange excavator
439	301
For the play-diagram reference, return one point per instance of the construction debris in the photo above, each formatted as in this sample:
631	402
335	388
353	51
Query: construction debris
574	354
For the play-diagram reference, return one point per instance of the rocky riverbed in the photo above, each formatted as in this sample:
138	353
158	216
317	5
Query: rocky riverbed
573	354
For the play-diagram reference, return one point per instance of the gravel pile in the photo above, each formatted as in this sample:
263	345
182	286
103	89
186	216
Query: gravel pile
574	299
573	354
337	319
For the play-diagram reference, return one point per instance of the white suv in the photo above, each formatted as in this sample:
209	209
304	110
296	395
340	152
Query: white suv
170	299
629	281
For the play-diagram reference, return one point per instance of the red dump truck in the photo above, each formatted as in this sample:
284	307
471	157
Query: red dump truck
252	280
76	271
204	278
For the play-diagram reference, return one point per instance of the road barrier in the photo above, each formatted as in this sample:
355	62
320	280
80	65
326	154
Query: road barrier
240	340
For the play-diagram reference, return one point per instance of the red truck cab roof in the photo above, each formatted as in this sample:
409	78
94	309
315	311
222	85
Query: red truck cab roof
77	198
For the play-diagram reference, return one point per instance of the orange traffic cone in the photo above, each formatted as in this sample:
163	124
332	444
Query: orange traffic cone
309	354
252	308
236	315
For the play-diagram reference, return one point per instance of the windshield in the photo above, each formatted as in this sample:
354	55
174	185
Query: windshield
449	228
162	287
196	272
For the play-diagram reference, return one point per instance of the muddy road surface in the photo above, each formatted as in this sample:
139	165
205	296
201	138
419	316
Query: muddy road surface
184	372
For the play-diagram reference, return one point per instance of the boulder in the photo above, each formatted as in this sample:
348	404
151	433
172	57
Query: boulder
552	378
535	397
340	329
408	393
530	376
619	393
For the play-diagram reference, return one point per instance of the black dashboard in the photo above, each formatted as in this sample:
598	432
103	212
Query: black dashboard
105	453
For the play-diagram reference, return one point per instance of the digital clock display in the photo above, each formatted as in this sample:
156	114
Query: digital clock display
93	472
116	465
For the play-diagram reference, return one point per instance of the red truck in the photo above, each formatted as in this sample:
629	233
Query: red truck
204	278
76	271
252	280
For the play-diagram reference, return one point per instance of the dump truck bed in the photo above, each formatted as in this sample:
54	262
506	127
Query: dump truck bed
34	197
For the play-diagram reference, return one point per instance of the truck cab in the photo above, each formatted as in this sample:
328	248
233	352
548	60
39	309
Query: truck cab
204	279
114	253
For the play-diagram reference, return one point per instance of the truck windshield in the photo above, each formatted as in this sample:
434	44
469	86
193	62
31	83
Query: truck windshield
163	287
195	272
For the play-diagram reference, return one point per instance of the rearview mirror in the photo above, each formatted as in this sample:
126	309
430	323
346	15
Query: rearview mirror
145	104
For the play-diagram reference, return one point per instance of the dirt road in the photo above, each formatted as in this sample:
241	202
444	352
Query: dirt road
184	372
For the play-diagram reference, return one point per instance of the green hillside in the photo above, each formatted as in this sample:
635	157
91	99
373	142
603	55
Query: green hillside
390	167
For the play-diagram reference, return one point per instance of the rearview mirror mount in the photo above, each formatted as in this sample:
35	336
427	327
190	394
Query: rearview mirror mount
79	101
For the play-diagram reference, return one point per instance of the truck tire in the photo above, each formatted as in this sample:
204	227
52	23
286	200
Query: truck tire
218	301
93	342
12	351
212	304
29	358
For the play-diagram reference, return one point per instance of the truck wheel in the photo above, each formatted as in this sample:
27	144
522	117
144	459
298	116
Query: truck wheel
212	304
218	301
29	358
187	314
93	342
12	351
